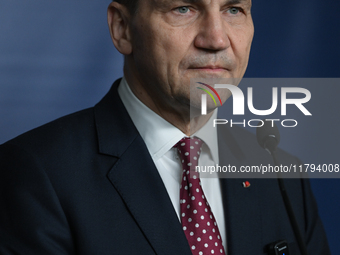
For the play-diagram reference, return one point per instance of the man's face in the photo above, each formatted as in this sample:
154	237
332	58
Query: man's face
174	41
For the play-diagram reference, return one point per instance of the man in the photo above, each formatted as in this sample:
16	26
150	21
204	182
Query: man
109	179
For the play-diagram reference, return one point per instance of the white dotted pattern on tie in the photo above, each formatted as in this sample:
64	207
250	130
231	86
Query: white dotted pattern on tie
197	219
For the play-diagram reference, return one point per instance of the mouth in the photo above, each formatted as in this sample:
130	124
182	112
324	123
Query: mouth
210	68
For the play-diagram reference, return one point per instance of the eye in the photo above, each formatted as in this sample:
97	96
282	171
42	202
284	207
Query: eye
234	10
183	9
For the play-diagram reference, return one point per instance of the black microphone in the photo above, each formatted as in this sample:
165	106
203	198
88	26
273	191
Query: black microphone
268	137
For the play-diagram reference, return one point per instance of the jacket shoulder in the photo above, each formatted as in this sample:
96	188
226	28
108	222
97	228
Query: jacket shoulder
65	129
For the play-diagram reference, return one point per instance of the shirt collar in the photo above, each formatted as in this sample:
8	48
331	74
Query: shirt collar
158	134
208	134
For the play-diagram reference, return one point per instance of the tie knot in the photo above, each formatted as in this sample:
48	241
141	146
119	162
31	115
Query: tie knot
189	150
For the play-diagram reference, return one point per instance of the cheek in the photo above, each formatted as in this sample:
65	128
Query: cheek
149	55
241	47
174	45
157	57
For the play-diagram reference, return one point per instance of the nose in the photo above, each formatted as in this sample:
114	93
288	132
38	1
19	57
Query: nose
213	35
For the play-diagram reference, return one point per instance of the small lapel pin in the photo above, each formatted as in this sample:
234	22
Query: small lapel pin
246	184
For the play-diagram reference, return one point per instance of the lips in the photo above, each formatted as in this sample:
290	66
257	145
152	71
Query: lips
210	67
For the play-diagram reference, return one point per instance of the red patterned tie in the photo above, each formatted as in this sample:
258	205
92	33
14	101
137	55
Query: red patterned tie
198	221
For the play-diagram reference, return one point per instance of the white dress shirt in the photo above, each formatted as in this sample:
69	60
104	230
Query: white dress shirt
160	136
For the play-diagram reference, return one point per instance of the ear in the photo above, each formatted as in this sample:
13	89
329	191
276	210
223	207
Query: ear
118	18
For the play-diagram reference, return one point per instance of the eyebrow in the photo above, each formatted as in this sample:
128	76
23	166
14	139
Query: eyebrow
226	2
163	3
236	1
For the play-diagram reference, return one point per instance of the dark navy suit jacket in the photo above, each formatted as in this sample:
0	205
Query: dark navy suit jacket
86	184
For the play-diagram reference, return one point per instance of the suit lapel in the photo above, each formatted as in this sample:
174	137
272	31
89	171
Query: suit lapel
242	213
241	205
136	178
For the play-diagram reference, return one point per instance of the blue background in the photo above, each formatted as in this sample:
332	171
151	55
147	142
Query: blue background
56	57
